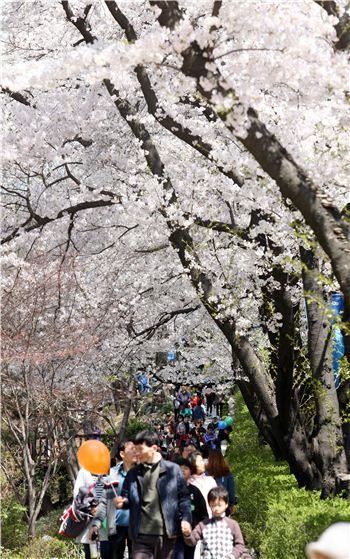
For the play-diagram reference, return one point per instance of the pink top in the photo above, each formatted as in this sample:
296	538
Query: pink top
205	484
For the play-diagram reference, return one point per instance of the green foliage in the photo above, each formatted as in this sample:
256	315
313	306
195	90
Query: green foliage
45	545
166	408
14	527
48	525
45	548
109	437
135	426
276	517
297	518
60	489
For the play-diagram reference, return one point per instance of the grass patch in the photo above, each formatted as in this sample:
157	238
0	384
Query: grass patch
276	517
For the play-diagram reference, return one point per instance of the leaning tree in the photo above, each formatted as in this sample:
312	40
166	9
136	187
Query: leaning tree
209	135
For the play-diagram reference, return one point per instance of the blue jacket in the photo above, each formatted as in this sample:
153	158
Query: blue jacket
229	483
198	413
122	516
173	496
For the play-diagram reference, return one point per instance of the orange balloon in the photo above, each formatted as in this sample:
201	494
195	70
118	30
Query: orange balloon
94	456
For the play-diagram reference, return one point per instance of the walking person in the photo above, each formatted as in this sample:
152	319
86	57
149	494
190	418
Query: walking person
188	448
198	412
198	510
219	403
221	536
87	480
210	439
118	520
155	492
183	430
184	396
218	468
199	478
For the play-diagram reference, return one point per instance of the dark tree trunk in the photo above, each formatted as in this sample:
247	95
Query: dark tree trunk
259	417
329	452
127	410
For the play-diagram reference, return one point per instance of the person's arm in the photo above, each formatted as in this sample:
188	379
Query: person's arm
183	497
231	490
200	512
101	513
84	479
192	538
238	546
122	501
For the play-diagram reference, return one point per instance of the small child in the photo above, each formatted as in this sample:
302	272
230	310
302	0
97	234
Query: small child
210	438
221	536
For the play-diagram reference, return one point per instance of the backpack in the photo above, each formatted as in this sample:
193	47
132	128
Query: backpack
78	515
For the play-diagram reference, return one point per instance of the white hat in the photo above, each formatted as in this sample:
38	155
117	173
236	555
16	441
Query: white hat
333	542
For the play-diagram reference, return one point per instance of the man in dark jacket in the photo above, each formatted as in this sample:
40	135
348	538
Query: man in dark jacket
158	499
198	412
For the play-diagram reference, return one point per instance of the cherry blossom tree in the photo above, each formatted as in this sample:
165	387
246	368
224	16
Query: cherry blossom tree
146	159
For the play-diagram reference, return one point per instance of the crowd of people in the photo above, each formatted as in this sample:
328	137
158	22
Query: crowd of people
163	509
196	423
163	487
171	494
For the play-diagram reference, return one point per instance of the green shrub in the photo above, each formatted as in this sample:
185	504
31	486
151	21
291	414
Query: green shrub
60	488
135	426
14	527
277	519
166	408
45	548
297	518
108	438
49	524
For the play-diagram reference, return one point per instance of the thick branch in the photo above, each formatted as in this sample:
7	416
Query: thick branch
42	221
154	108
342	27
331	231
79	22
163	319
17	96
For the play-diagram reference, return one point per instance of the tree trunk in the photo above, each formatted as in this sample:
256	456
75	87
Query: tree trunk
259	418
329	452
127	410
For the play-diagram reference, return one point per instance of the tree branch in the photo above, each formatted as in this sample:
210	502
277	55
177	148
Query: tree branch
79	22
342	27
42	221
331	231
17	96
163	319
155	109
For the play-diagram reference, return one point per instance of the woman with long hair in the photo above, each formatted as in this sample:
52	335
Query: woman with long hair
199	478
219	470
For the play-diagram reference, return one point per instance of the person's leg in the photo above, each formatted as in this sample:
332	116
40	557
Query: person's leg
164	548
188	552
144	547
104	549
86	550
179	548
118	543
129	544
